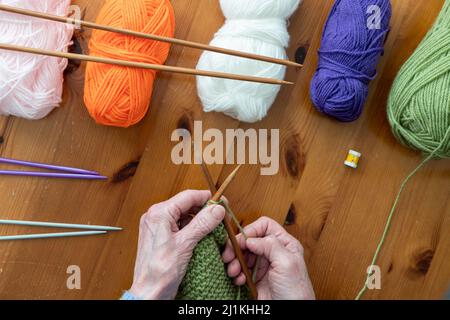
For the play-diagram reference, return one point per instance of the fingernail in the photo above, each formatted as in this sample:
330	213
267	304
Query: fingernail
218	212
251	241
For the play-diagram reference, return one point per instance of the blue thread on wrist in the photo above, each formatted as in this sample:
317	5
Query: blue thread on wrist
128	296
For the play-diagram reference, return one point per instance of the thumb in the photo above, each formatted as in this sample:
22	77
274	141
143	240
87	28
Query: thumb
268	247
203	224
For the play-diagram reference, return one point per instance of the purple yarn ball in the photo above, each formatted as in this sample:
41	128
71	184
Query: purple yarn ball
352	44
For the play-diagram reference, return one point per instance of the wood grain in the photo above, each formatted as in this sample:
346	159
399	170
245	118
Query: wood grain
336	212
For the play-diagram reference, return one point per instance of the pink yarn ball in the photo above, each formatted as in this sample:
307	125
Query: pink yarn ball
31	85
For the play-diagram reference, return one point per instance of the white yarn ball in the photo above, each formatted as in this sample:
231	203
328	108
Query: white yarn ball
254	26
31	85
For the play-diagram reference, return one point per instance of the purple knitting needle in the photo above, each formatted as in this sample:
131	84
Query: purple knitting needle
51	175
48	166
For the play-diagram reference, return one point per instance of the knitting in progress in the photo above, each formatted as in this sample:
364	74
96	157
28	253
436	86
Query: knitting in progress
206	277
254	26
31	86
419	105
352	44
120	96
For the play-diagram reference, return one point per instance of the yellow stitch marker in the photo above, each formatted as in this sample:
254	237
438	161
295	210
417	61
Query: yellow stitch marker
353	159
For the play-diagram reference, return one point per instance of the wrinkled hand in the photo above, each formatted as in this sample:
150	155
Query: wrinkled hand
282	273
164	250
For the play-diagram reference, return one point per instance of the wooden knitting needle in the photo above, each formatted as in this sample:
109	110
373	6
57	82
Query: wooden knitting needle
218	195
142	65
185	43
208	178
229	226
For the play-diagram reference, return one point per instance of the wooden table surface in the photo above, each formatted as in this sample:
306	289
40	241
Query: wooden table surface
336	212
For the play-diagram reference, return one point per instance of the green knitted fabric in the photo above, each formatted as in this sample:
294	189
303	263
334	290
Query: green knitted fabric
206	277
419	104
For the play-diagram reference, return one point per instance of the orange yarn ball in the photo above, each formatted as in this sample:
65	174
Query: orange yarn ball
120	96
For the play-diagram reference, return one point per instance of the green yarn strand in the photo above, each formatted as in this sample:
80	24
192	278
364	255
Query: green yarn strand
419	107
393	210
389	222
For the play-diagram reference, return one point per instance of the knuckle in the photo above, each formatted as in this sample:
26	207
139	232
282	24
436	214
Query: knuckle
189	193
154	214
267	220
144	219
183	245
202	224
154	207
171	208
270	241
264	219
300	247
289	265
158	211
154	210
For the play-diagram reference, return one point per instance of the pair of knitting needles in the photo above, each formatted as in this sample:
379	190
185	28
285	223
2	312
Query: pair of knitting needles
156	67
92	230
229	225
60	171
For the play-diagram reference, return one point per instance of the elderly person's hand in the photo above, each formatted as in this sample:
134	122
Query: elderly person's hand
164	250
282	273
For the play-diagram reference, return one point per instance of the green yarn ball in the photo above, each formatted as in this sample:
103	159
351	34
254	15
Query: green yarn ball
419	103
